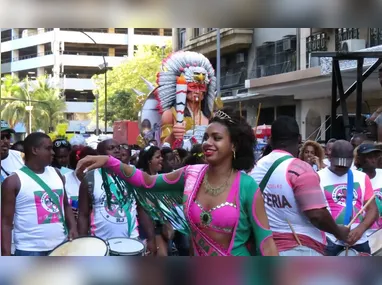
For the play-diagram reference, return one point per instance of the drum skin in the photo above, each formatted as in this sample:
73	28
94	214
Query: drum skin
352	252
375	242
82	246
125	247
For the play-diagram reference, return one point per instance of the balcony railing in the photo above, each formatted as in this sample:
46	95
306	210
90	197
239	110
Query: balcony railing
344	34
375	37
91	53
100	30
80	75
26	56
274	69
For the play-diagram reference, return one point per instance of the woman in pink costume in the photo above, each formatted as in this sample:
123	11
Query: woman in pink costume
223	206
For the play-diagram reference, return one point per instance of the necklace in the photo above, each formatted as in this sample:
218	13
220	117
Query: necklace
215	191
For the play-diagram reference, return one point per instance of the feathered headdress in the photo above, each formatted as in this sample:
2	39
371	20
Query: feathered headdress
194	67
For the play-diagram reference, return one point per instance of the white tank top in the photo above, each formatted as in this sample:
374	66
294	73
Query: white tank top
112	223
334	188
36	225
280	203
13	162
72	186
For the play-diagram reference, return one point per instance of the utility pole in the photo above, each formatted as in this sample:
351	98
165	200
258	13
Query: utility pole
218	62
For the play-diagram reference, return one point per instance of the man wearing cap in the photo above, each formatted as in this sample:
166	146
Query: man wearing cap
347	191
11	160
367	161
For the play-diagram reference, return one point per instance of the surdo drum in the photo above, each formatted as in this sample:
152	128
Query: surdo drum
375	242
126	247
352	252
82	246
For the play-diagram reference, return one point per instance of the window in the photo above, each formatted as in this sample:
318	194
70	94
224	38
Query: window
196	32
182	38
70	116
209	30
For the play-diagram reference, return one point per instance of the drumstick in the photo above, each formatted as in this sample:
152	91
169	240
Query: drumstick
347	251
360	211
294	233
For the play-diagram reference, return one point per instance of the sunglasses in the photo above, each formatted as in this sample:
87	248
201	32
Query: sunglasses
124	146
5	136
61	143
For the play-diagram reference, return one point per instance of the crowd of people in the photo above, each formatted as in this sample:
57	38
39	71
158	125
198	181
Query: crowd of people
298	199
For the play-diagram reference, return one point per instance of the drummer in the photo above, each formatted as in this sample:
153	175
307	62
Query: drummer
101	215
35	200
334	182
367	161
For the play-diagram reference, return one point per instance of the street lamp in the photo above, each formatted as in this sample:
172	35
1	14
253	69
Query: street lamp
29	108
102	66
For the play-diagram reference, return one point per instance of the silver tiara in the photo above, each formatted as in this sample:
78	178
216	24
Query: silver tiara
223	116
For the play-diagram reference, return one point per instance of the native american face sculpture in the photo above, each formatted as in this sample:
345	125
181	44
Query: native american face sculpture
186	88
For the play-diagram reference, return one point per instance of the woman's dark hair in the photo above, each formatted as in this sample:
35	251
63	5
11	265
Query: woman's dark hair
61	143
182	153
196	156
145	156
166	165
241	135
166	150
77	155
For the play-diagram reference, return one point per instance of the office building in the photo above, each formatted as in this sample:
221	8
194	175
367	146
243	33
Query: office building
273	66
70	58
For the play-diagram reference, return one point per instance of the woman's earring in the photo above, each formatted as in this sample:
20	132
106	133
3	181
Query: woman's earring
234	154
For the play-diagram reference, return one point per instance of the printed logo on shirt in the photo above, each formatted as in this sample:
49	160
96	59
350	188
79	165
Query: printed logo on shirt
378	200
336	197
339	195
378	194
115	214
47	211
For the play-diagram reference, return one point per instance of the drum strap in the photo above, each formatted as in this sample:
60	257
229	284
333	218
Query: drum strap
349	198
267	176
124	202
53	197
90	181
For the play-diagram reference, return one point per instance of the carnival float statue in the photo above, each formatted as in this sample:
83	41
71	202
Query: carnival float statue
180	106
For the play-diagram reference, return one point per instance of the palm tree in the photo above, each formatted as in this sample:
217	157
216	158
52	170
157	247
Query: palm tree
51	106
48	105
14	111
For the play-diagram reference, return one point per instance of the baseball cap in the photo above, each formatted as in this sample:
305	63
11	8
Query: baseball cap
367	148
6	128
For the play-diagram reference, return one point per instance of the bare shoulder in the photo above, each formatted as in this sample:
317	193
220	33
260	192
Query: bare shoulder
167	117
11	183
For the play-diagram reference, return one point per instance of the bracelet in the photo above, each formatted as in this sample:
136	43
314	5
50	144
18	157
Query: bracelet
123	171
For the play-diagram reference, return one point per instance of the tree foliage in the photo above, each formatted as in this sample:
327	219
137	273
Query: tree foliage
48	104
122	102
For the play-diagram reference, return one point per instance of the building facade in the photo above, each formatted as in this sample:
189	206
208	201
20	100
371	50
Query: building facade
273	66
70	58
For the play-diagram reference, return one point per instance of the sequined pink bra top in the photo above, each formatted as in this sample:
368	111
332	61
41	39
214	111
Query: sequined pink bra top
222	218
